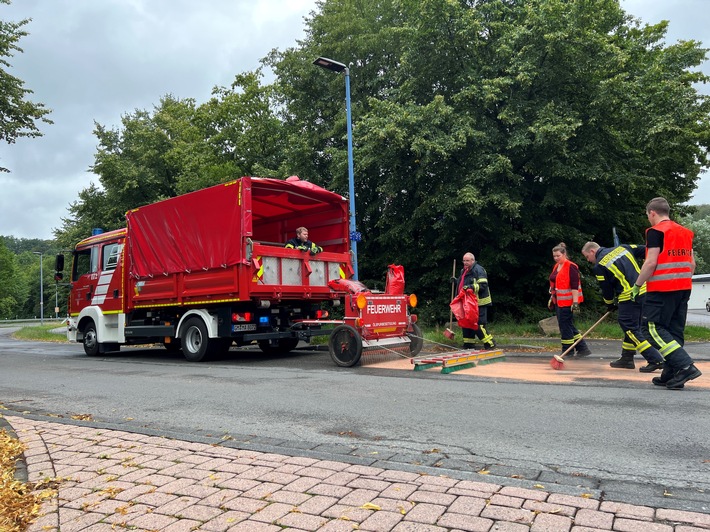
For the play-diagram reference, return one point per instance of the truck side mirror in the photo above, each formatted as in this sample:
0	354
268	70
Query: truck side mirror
59	263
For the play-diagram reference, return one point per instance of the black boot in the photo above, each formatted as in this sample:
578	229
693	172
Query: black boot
583	350
681	377
469	345
625	362
666	375
652	366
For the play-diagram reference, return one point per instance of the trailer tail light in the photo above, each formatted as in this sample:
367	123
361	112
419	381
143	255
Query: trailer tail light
413	301
361	301
413	318
241	316
359	323
320	314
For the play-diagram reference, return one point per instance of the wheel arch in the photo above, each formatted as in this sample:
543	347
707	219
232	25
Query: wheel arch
209	320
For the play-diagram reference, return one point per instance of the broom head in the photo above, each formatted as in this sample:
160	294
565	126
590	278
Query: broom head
449	334
557	362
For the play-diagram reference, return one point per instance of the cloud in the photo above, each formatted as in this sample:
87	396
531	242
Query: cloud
95	61
91	60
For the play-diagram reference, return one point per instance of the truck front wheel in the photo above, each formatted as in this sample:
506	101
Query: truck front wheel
345	346
91	340
196	343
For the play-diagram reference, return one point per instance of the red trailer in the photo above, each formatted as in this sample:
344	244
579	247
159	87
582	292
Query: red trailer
207	269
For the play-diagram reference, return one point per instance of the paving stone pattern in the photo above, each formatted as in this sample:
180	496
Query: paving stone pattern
110	480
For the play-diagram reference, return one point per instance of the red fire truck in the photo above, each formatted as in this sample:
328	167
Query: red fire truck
208	269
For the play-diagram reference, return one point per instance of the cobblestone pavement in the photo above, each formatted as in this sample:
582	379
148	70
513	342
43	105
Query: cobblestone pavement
110	480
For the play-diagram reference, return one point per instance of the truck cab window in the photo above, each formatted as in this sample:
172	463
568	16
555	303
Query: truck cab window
111	253
85	261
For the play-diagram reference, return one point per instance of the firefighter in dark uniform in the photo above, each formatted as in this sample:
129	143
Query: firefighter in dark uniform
473	276
668	274
617	269
302	243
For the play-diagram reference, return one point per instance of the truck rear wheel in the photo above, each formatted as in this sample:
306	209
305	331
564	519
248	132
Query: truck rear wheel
345	346
91	340
196	343
416	340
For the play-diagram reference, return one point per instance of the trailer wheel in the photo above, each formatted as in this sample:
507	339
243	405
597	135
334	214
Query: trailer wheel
416	340
345	346
91	340
195	341
285	345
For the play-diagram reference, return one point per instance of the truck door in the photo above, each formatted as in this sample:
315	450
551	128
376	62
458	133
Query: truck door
84	278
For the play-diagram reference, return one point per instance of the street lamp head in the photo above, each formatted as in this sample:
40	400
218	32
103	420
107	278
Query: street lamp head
329	64
37	253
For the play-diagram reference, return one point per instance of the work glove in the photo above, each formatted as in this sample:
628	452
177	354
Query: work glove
550	304
575	308
315	249
467	287
453	280
635	292
611	307
302	248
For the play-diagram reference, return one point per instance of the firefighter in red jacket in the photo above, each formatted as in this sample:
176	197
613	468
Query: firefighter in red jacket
667	272
565	296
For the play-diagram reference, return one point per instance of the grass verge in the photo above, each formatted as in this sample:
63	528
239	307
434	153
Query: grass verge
41	333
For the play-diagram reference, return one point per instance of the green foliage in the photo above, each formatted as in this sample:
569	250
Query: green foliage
500	127
18	115
12	287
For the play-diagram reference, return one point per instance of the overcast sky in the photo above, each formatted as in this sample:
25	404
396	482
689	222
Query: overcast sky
95	60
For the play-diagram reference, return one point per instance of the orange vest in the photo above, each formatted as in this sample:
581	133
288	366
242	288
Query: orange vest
674	270
561	290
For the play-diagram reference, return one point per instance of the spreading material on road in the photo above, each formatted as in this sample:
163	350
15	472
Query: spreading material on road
558	361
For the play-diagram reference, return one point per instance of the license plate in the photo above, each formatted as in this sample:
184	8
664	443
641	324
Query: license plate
244	327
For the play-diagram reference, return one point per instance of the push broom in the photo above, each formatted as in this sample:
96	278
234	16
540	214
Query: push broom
449	332
558	361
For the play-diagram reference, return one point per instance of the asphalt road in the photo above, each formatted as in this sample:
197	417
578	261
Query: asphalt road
618	437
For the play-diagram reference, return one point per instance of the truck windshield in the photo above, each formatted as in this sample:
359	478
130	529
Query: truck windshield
85	261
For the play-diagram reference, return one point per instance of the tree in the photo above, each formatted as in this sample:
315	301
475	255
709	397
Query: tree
177	148
18	115
12	287
500	127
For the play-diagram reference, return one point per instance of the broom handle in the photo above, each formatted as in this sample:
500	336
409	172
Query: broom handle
451	311
585	334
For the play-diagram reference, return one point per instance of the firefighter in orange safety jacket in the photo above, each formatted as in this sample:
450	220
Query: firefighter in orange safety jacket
565	297
668	274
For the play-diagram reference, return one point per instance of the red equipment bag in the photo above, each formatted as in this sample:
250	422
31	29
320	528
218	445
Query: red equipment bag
395	280
465	309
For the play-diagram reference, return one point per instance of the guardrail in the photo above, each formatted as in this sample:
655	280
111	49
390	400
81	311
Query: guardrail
58	321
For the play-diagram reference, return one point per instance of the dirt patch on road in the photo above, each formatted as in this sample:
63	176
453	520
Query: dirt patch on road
539	370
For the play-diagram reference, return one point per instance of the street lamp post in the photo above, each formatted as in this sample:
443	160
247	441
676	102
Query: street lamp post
41	288
335	66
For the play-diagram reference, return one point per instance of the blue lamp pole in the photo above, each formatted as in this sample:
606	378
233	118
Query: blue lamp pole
41	288
335	66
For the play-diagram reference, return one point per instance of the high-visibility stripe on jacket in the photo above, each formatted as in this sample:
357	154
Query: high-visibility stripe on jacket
560	289
674	270
617	271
